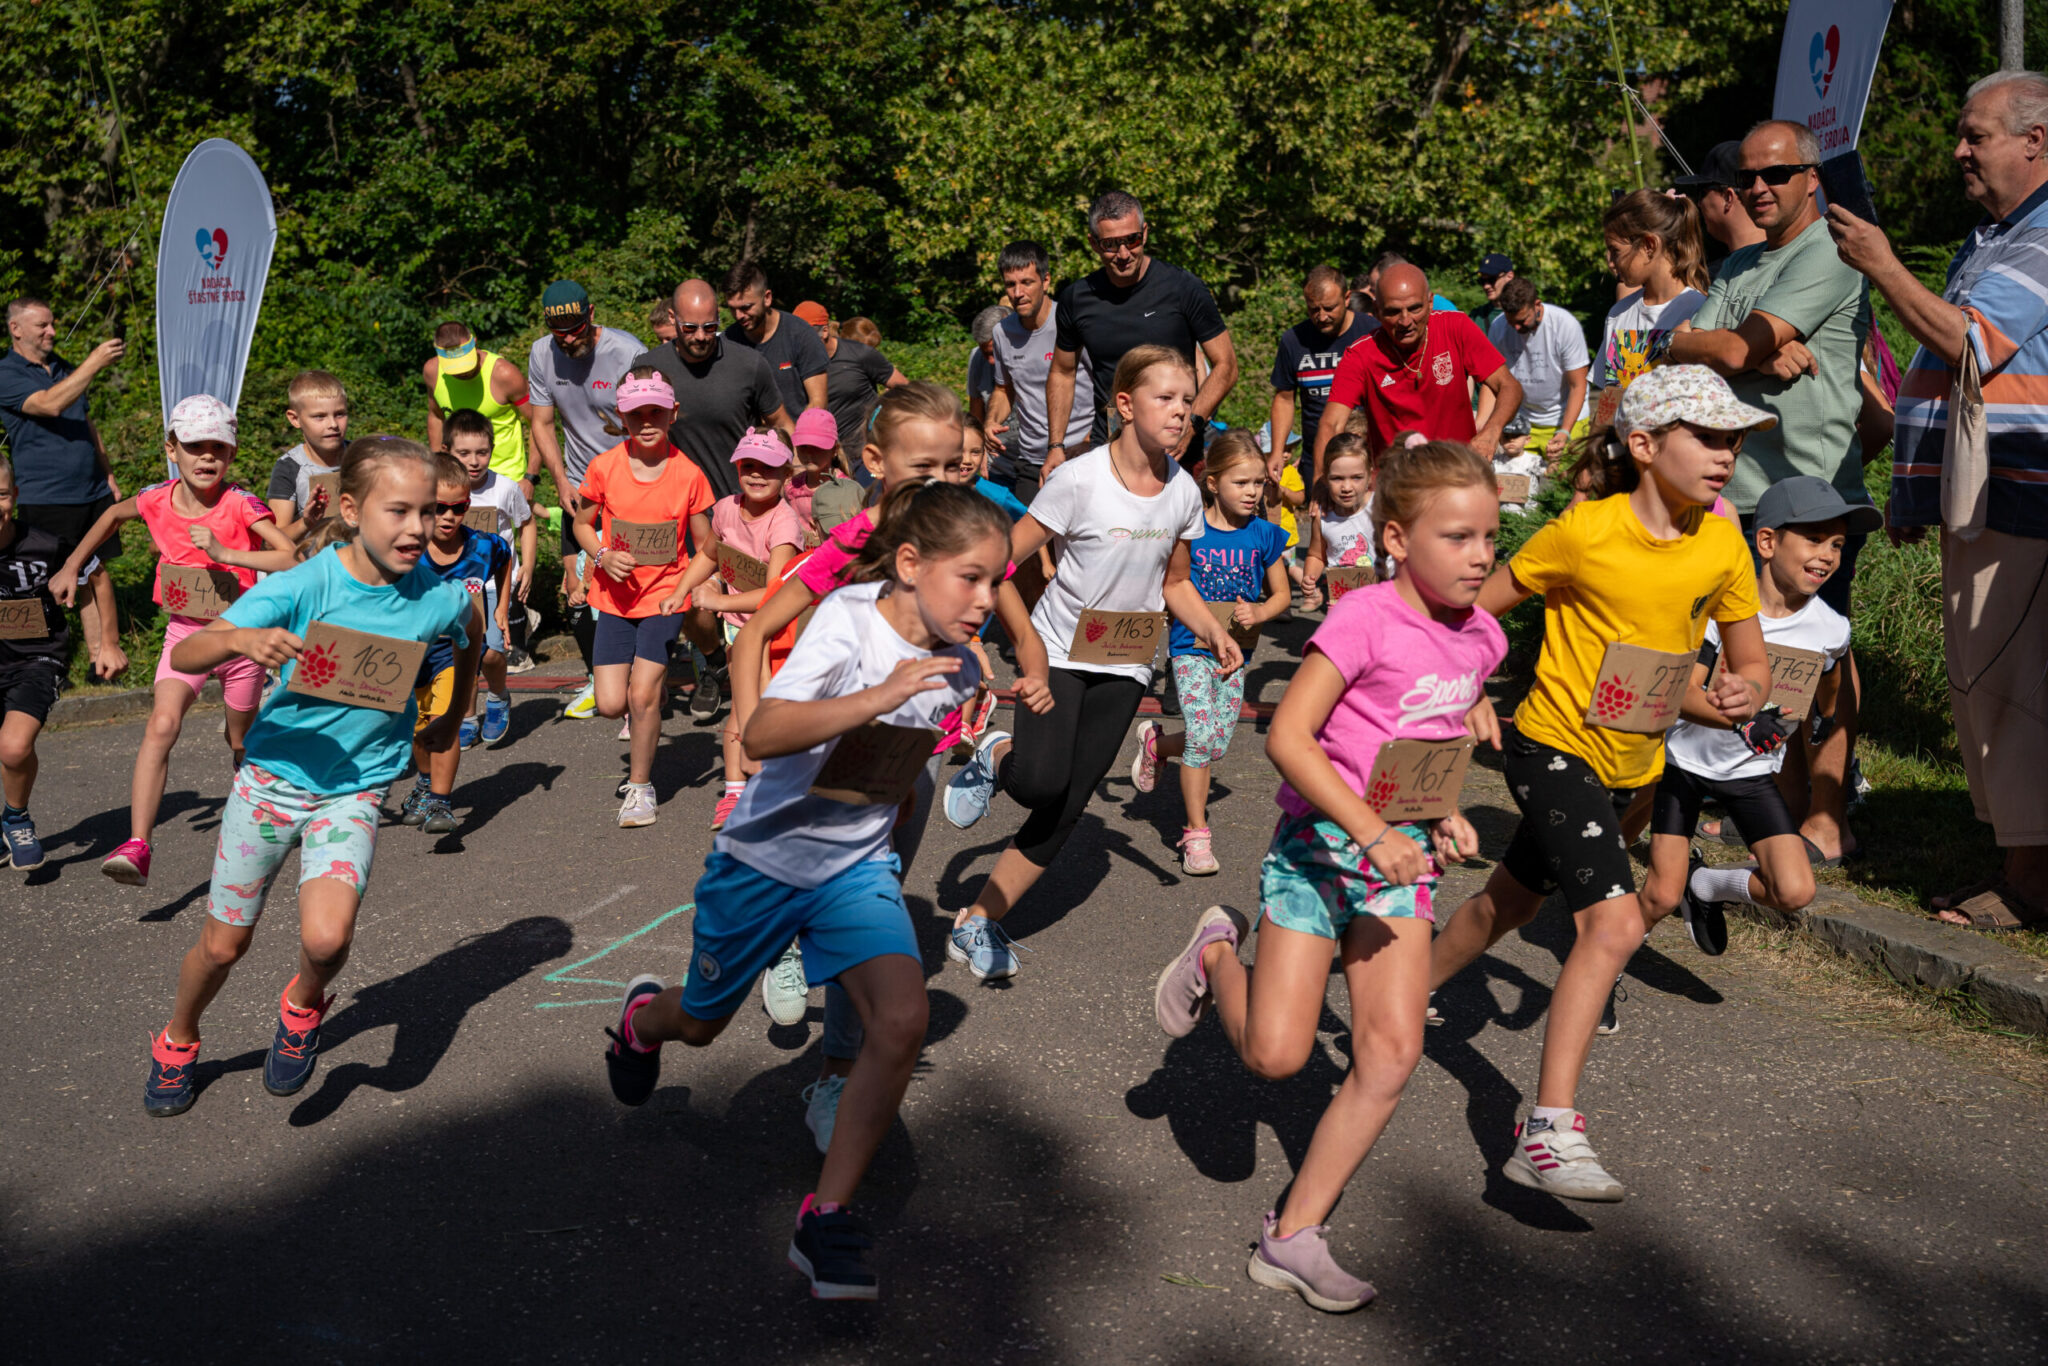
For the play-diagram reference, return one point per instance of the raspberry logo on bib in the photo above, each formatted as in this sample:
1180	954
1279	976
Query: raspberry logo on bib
318	665
1095	630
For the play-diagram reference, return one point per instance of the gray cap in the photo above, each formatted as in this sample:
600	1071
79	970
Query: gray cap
1808	500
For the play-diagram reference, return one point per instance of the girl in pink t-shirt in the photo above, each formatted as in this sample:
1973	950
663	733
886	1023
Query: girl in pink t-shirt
198	520
1401	660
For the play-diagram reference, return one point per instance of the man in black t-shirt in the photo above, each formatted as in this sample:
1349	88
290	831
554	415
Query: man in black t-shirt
721	389
854	374
1307	358
794	354
1133	301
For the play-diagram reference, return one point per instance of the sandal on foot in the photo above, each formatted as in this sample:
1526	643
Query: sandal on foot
1725	835
1819	860
2003	908
1949	901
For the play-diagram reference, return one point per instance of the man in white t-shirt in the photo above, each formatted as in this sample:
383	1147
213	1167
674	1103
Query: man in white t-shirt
1023	347
1545	348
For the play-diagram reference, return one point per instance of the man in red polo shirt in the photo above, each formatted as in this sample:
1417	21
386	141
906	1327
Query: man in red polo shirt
1414	373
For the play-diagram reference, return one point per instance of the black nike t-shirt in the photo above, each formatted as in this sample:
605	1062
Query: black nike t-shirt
1167	307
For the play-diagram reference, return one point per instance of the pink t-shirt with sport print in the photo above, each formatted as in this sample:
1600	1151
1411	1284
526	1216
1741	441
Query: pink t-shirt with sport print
1407	677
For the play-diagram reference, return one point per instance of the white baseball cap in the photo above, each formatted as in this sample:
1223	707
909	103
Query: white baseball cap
202	417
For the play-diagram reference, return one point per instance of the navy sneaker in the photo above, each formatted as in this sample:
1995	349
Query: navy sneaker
829	1249
289	1064
437	816
169	1088
410	812
497	718
1705	921
23	849
632	1072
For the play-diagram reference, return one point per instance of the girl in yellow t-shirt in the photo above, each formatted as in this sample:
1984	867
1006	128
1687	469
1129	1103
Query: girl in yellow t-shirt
1643	564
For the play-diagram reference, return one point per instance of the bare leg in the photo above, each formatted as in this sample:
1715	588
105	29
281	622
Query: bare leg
1194	795
153	759
204	972
644	690
327	929
1012	877
238	732
1609	933
18	762
1827	818
889	993
1502	905
1269	1015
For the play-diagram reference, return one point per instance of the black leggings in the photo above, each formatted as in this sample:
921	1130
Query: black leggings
1056	760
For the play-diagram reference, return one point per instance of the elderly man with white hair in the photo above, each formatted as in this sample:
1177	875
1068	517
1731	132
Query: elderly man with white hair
1994	514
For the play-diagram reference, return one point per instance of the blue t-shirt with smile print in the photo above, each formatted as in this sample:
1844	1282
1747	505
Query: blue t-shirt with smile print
1226	566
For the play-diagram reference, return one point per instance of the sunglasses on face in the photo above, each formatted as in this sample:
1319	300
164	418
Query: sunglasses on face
697	327
571	332
451	509
1111	246
1775	175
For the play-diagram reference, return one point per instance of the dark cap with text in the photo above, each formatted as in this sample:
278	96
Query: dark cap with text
565	307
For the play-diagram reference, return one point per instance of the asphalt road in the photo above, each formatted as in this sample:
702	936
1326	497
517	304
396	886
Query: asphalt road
458	1182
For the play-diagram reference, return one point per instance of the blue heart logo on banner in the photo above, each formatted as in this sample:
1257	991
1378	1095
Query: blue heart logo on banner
1821	56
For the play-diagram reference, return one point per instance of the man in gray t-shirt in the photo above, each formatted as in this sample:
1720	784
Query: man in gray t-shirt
1023	346
573	377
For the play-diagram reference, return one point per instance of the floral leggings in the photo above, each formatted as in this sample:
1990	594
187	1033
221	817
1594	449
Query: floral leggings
1209	704
265	818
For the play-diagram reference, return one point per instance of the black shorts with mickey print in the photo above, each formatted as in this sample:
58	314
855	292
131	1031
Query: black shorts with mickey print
1570	836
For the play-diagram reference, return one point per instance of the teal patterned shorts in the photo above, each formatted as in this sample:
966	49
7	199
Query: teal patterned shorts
1315	879
266	818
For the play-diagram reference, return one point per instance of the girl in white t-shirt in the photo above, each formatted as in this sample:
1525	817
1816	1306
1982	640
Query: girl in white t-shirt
806	853
1124	515
1340	531
1655	249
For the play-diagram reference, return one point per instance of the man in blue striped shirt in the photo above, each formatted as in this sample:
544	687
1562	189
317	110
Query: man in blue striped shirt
1994	608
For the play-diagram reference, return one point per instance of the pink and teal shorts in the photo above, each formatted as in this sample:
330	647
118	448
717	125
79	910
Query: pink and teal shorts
265	818
1316	880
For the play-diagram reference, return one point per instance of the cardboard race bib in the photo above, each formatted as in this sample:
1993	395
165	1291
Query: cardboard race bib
484	519
650	542
1515	488
876	764
1639	690
1795	676
1418	780
1247	637
329	484
1116	637
198	590
22	619
1343	578
356	667
741	571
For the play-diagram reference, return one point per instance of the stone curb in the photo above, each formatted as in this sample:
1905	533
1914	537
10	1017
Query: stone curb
2009	986
116	706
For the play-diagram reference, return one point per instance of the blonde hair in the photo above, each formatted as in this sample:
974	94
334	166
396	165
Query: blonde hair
362	464
1411	475
1226	451
921	400
313	384
1141	361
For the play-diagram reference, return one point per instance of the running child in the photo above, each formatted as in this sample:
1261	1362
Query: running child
760	525
317	768
1127	516
1400	660
317	408
1642	563
974	473
469	436
644	480
33	653
798	861
198	519
1285	498
820	472
476	561
1340	533
1241	559
1802	525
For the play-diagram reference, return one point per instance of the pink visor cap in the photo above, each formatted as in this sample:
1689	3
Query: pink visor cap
765	447
652	392
816	427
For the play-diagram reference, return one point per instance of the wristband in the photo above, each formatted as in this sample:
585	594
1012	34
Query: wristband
1367	848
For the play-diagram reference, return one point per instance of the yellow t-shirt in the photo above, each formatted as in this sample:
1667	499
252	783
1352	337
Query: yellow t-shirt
1279	513
1604	578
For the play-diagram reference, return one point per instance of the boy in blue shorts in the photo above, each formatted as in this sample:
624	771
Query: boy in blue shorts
478	561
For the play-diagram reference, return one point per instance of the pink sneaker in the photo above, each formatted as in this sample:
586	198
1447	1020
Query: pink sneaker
129	864
1196	860
1145	768
721	812
972	732
626	729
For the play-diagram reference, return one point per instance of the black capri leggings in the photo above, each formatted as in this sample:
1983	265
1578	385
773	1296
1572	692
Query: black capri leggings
1056	760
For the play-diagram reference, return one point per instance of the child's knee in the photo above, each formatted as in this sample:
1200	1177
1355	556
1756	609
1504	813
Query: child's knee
326	944
1276	1060
897	1025
221	946
17	753
1791	889
164	725
1392	1047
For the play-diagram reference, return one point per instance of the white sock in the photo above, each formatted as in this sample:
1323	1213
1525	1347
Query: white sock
504	695
1722	884
734	789
1553	1113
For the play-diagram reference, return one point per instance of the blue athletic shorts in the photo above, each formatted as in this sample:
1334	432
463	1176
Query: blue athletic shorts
745	919
621	640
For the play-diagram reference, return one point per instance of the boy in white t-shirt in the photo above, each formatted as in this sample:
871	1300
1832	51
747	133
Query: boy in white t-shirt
469	436
1801	526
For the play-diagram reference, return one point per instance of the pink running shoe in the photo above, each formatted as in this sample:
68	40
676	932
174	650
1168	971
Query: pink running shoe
1196	860
129	864
1145	768
626	729
721	812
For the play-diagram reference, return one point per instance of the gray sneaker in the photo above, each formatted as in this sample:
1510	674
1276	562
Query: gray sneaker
785	995
437	816
821	1108
1182	991
638	808
1302	1263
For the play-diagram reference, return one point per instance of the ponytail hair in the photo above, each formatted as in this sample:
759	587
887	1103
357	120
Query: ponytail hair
934	517
362	465
1673	221
1410	475
1601	465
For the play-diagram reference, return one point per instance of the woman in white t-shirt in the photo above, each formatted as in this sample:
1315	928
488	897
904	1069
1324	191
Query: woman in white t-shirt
1655	249
1124	515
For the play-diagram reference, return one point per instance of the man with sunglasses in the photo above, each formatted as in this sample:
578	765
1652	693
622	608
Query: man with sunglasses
573	376
1785	323
1496	271
722	387
1133	301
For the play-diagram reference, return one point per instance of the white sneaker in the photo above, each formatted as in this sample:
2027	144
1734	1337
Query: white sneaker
1553	1155
821	1108
639	808
784	992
